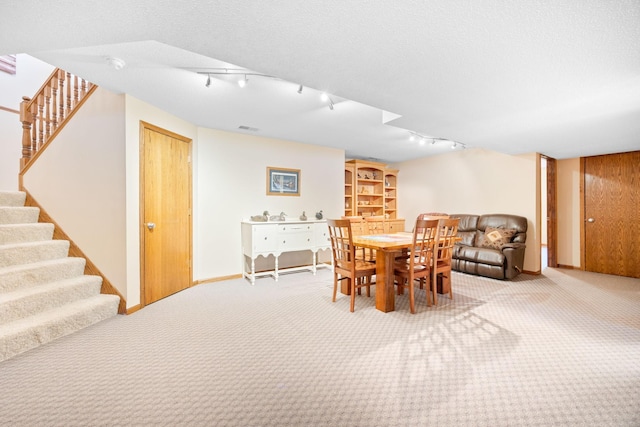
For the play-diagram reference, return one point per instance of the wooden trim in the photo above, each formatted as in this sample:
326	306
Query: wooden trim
33	158
552	212
217	279
583	253
569	267
133	309
11	110
535	273
74	251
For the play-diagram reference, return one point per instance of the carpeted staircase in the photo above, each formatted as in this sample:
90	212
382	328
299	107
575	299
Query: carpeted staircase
44	293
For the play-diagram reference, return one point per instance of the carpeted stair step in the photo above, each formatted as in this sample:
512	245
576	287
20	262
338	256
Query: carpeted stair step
30	252
19	215
19	233
12	198
24	334
38	273
36	299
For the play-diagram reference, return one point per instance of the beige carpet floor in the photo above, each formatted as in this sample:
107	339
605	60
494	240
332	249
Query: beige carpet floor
560	349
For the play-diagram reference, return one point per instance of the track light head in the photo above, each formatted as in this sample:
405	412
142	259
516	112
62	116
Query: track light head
330	104
300	89
243	82
208	83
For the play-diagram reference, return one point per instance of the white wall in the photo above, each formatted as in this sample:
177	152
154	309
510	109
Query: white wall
474	181
79	180
31	74
569	212
232	186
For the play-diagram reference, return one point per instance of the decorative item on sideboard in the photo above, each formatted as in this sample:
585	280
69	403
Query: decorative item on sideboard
261	218
303	217
319	214
280	217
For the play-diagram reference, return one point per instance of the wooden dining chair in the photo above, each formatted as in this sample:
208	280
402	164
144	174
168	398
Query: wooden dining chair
433	215
446	237
346	266
373	225
358	228
417	266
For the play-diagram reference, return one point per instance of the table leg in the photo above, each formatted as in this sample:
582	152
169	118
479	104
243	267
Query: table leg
385	293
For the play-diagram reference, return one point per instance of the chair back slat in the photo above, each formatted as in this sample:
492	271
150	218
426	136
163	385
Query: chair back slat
341	243
446	238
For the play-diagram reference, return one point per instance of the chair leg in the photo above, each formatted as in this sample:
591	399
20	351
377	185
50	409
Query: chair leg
434	286
335	286
353	294
446	278
412	297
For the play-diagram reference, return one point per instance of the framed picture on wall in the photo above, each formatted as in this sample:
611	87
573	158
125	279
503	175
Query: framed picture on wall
283	182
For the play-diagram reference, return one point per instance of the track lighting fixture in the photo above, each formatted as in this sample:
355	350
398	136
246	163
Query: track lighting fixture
422	139
300	89
326	98
242	82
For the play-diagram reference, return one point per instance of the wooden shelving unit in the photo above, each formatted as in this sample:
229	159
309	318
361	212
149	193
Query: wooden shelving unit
349	173
371	189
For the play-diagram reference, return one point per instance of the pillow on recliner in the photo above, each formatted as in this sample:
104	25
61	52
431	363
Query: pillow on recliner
495	238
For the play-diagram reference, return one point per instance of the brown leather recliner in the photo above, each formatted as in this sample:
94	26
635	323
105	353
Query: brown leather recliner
498	254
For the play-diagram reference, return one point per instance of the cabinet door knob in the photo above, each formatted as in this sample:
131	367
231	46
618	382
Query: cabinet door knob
150	225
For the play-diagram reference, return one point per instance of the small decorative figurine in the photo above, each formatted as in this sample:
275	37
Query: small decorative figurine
261	218
319	214
303	217
280	217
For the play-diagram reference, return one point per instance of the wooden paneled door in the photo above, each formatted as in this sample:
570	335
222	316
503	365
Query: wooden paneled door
552	209
611	209
165	163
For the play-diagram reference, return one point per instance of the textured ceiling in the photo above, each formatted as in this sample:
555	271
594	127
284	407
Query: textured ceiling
557	77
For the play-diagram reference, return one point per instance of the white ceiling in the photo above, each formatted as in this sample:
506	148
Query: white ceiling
557	77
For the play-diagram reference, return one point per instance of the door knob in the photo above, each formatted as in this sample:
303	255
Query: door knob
591	220
150	225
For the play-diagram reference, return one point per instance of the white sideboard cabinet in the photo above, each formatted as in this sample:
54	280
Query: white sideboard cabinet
276	238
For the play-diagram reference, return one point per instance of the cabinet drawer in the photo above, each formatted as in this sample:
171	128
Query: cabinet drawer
284	229
295	241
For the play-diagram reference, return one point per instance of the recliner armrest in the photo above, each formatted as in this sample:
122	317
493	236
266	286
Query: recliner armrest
514	259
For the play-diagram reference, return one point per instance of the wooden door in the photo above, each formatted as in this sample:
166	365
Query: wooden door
166	213
611	243
552	208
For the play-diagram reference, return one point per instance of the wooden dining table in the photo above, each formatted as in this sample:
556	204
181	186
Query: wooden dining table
387	246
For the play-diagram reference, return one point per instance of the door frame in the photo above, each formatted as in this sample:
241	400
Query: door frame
145	125
551	216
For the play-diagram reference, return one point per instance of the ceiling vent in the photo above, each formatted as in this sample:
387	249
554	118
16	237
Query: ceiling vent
249	128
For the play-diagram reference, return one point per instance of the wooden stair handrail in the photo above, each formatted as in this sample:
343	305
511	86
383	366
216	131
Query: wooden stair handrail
46	113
